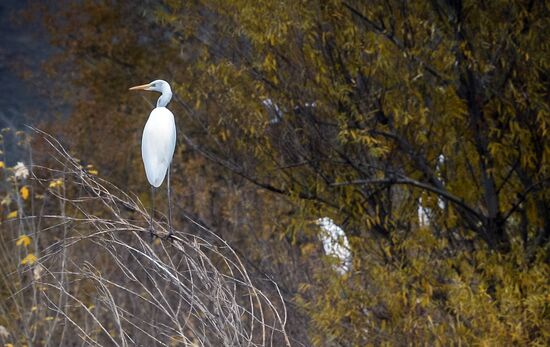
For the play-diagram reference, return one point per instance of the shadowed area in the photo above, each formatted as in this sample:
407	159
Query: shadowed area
23	48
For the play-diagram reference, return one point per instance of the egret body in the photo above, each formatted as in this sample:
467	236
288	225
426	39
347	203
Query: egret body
159	141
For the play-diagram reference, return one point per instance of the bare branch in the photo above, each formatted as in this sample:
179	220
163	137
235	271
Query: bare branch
409	181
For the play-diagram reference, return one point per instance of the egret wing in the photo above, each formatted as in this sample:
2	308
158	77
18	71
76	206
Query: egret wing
158	144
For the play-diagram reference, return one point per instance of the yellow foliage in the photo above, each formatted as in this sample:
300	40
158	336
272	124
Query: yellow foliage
56	183
377	92
498	299
11	215
23	240
24	192
2	165
29	259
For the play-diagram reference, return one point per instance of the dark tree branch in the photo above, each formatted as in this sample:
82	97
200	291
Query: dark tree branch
241	172
523	196
409	181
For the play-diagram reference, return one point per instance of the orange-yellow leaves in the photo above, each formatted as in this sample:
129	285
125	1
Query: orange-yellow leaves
23	240
224	134
91	170
2	165
11	215
29	259
56	183
270	63
24	192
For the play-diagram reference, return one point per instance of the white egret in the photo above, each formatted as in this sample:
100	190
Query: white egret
158	143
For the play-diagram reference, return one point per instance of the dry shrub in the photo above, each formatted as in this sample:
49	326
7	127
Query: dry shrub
96	276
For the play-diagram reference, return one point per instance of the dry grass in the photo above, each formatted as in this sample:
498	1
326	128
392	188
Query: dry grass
100	280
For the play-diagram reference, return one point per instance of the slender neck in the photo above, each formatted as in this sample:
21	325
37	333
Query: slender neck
164	98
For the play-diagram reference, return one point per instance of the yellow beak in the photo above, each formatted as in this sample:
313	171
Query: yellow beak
141	87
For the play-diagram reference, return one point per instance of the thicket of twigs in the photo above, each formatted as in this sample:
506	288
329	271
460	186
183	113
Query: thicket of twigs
78	266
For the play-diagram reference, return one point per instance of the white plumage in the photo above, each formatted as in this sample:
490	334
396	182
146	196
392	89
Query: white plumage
158	144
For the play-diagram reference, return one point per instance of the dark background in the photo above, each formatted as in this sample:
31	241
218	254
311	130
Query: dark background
23	48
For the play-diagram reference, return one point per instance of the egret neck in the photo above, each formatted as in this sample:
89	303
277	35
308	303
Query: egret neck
166	96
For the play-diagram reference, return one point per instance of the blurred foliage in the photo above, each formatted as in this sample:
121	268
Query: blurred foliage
365	112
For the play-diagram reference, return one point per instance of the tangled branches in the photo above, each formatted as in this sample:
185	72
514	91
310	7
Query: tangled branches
100	280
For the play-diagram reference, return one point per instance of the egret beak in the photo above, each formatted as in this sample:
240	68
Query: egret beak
141	87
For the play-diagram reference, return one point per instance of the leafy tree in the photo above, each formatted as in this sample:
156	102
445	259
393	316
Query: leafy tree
363	112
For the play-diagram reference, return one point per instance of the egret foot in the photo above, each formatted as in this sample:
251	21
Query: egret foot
169	235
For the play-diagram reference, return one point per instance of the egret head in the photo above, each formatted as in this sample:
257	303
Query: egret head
160	86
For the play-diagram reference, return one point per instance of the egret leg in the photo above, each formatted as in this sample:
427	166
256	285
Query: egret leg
169	205
151	227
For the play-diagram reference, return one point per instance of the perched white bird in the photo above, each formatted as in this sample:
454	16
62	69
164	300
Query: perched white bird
158	142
